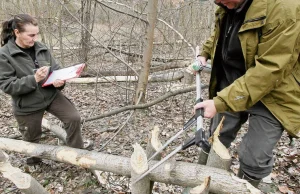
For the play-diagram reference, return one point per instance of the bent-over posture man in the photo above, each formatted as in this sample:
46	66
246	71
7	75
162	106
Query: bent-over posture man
255	75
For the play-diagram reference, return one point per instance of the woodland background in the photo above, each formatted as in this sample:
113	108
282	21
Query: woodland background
111	38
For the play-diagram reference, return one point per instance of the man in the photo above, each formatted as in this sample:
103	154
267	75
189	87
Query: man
255	75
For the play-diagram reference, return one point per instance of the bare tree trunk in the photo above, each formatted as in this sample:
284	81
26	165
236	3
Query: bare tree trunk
86	16
23	181
60	31
49	25
36	6
143	78
178	173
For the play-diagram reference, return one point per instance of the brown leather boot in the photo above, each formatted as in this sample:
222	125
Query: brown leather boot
254	182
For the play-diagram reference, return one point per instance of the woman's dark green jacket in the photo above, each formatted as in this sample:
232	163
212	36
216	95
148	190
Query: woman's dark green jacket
17	77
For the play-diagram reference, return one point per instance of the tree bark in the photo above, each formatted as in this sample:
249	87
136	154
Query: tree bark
23	181
178	173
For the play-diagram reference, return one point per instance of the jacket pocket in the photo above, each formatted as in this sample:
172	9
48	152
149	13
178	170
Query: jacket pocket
296	74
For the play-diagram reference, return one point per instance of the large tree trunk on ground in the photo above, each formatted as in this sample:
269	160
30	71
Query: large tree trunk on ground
23	181
178	173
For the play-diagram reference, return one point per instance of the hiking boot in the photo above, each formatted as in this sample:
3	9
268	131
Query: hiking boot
33	161
254	182
88	145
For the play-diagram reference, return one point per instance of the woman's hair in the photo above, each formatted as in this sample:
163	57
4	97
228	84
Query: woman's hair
18	22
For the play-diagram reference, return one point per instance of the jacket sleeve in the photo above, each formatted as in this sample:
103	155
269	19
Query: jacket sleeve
12	85
277	54
207	47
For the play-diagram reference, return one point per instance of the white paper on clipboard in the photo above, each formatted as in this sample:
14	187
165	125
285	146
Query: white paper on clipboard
64	74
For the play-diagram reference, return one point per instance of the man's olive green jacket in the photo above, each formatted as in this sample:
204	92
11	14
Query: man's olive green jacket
270	41
17	78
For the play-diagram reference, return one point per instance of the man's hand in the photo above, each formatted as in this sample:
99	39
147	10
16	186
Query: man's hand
209	108
58	83
41	73
192	69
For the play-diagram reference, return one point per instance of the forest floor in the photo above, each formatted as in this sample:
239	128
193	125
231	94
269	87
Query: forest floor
169	116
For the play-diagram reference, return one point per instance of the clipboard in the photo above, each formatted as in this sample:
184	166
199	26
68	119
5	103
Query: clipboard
64	74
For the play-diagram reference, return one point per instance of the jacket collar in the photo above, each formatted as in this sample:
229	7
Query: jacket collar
255	16
14	49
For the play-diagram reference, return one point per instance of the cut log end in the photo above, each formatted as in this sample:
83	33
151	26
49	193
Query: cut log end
219	156
139	160
155	142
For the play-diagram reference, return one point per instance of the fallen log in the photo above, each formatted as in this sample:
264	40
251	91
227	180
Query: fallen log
26	183
171	76
57	130
177	173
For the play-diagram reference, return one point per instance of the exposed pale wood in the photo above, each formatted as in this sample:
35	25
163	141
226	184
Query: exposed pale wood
26	183
202	189
139	165
173	76
219	156
153	146
179	173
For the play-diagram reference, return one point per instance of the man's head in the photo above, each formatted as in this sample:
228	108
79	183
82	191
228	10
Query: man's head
230	4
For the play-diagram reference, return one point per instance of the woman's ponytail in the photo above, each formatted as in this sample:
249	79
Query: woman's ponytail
7	31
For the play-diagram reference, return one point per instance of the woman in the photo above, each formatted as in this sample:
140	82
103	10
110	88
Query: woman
24	66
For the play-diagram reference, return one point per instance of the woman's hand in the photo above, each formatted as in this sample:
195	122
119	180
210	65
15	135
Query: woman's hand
58	83
41	73
209	108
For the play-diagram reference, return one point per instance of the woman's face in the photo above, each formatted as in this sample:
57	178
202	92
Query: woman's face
230	4
27	38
